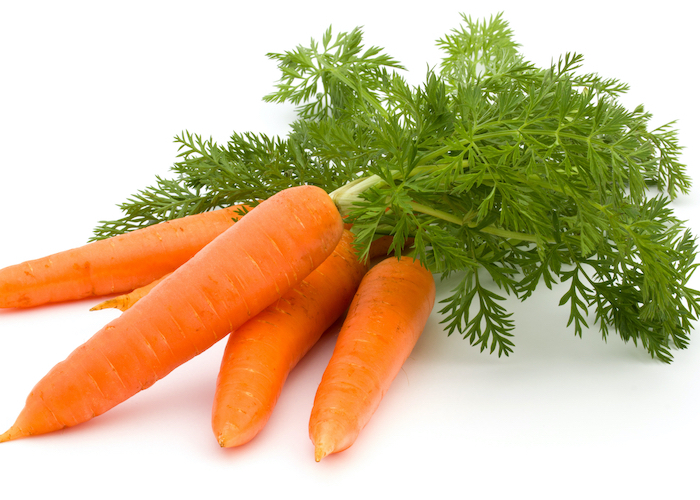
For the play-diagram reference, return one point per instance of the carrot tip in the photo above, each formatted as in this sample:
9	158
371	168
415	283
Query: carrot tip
224	441
116	303
10	434
321	452
232	435
325	446
327	437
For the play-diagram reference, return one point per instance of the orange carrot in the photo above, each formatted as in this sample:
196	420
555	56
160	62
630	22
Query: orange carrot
126	300
260	354
236	276
113	265
385	319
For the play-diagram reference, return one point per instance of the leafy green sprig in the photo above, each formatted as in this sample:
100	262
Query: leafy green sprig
492	168
249	168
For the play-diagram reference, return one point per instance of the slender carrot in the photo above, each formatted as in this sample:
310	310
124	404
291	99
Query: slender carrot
236	276
384	322
260	354
113	265
379	249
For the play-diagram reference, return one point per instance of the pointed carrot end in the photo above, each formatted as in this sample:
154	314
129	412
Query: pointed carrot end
326	436
223	439
116	303
12	433
231	435
104	305
226	441
322	451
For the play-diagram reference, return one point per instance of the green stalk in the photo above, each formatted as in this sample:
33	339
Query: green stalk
346	196
495	231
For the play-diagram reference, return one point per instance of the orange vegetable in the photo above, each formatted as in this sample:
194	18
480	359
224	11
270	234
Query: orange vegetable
113	265
236	276
260	354
384	322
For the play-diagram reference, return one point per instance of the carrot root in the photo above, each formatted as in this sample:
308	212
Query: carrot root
383	324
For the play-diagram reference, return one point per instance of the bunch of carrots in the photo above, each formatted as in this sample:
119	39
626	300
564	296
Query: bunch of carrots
492	164
273	278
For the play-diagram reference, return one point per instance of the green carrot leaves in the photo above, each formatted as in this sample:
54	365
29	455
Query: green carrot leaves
495	168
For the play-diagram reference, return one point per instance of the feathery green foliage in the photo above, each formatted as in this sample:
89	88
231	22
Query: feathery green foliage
496	169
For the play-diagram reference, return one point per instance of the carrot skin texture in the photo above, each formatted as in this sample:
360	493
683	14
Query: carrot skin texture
385	320
113	265
259	355
233	278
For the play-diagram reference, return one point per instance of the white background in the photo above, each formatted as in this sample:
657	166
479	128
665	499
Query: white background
91	95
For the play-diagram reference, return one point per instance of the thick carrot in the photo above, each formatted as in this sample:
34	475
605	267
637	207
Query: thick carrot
384	322
113	265
260	354
236	276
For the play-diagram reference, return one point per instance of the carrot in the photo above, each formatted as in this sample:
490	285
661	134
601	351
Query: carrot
385	319
236	276
260	354
113	265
